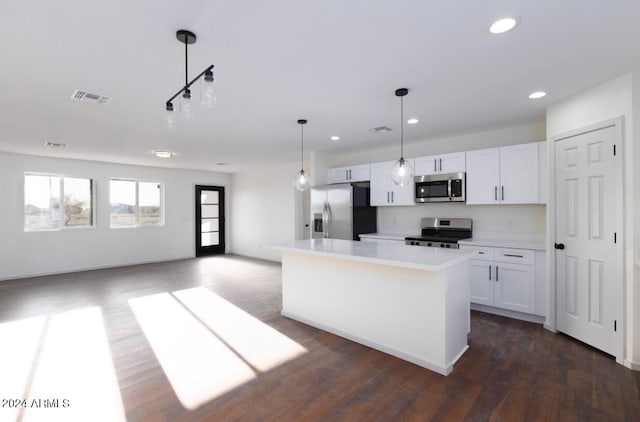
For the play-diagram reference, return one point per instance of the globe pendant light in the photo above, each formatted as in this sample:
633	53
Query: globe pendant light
301	182
402	172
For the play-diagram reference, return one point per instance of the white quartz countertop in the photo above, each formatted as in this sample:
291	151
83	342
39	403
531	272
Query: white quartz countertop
388	236
534	244
429	259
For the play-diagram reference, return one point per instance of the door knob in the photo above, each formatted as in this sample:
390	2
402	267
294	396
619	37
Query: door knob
558	245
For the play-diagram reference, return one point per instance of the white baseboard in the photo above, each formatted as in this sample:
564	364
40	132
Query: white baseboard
508	313
632	365
91	268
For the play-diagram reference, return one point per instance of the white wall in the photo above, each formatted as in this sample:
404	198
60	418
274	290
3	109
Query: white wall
534	132
512	220
618	97
509	220
36	253
266	210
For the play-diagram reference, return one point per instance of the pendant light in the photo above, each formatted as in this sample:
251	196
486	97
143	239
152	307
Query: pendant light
301	182
187	37
402	172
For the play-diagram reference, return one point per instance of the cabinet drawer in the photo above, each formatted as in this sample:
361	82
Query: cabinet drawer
515	256
480	252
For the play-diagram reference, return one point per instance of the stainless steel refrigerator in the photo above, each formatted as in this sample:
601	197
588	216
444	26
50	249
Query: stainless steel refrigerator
342	211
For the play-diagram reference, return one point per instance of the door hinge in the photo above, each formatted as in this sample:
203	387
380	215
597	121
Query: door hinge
615	237
615	325
614	149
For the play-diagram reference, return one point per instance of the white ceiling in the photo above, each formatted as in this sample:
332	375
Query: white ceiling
334	62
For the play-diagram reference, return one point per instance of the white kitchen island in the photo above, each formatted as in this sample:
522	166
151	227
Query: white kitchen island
411	302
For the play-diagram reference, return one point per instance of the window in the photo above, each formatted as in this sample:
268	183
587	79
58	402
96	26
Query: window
135	203
43	195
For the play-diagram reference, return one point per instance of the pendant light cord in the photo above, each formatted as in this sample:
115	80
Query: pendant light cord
401	127
186	65
301	147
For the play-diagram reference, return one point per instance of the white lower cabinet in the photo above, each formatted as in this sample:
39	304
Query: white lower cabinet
515	287
503	278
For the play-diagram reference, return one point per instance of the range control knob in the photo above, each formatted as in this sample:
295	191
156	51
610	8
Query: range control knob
429	244
442	245
447	245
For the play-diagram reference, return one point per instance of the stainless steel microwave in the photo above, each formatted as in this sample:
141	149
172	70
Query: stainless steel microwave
450	187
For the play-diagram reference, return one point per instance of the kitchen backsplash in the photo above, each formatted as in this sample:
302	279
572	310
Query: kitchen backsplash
508	219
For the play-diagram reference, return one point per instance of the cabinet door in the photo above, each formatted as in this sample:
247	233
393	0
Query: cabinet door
359	173
445	163
402	195
482	281
384	192
337	175
519	182
426	165
515	287
483	176
452	163
380	181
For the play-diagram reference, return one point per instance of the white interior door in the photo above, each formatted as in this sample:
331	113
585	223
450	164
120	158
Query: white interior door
588	214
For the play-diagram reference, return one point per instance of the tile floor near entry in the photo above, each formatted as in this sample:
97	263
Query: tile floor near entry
202	339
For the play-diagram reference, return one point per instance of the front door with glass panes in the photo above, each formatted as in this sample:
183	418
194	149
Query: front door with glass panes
209	220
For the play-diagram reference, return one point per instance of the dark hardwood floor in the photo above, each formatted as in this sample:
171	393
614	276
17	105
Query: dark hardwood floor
513	370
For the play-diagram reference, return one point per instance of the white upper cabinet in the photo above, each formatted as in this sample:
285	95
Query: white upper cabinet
483	176
386	193
359	173
443	163
505	175
519	174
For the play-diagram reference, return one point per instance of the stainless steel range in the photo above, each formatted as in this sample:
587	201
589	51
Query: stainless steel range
442	232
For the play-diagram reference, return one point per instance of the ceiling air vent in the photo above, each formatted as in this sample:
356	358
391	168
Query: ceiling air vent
54	144
81	95
379	129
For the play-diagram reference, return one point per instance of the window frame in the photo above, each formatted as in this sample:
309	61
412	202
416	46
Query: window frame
137	204
61	215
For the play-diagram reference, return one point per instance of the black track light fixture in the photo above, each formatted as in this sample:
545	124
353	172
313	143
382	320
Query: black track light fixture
187	37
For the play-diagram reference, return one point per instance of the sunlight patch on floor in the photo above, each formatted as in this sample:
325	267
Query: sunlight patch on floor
260	345
58	368
198	365
18	345
74	377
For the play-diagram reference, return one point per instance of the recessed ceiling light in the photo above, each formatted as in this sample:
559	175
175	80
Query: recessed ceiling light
413	121
335	138
537	94
163	154
53	144
503	25
222	164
